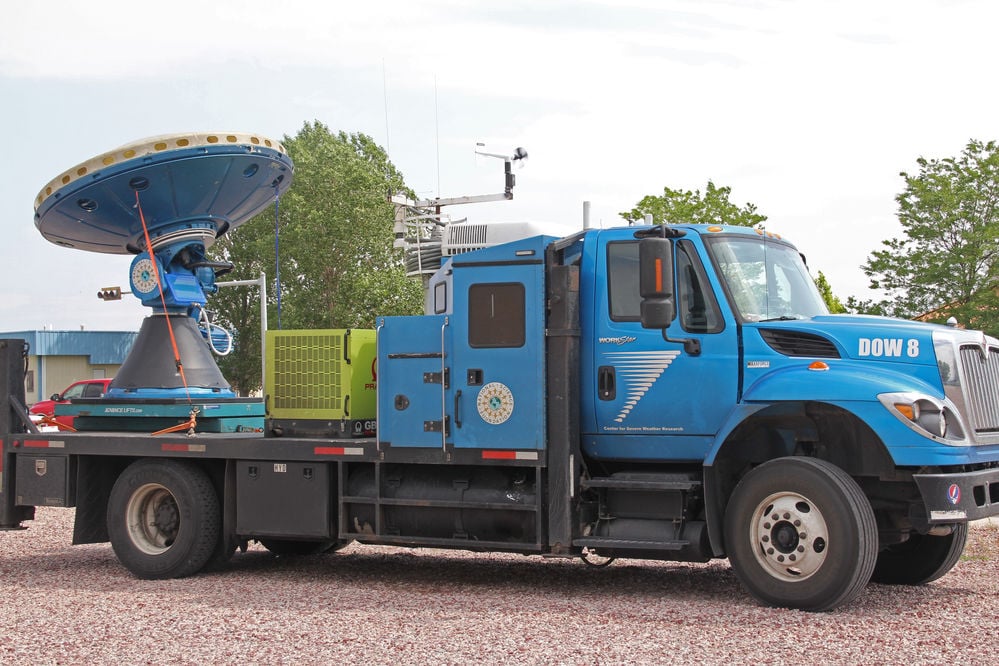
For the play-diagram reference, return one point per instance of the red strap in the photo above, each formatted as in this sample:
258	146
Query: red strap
156	274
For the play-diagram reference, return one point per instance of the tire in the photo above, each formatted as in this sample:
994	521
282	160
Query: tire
801	534
164	519
290	548
219	560
921	559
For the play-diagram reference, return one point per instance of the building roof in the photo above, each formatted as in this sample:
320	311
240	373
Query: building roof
102	347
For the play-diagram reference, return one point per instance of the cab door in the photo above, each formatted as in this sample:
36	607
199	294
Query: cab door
496	389
652	398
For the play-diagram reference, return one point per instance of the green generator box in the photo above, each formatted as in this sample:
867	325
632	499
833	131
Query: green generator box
321	375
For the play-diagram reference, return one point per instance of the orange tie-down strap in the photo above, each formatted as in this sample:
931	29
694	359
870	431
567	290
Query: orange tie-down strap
45	419
189	425
156	276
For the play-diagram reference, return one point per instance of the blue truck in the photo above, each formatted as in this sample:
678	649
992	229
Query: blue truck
667	392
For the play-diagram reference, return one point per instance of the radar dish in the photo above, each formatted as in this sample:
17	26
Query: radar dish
209	183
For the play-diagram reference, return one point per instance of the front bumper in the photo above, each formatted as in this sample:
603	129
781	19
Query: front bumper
961	496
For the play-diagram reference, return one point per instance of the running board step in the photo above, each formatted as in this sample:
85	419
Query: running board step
629	544
640	484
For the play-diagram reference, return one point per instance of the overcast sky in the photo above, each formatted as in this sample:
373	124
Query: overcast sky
808	109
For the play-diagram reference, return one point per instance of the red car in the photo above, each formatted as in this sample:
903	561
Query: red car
87	388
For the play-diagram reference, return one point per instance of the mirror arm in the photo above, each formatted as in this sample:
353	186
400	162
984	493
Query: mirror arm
690	345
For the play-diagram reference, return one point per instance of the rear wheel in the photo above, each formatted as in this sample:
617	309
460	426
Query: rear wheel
163	518
921	559
801	534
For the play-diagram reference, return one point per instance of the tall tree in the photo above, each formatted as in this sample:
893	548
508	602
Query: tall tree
686	207
946	263
713	207
338	268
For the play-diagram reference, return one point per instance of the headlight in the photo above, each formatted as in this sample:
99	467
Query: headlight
932	420
926	415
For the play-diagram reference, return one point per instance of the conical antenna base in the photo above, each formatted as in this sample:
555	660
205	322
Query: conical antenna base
150	370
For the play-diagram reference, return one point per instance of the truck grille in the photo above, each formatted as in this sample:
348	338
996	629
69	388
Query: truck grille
981	387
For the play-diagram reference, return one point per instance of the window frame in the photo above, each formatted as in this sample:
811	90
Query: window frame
480	328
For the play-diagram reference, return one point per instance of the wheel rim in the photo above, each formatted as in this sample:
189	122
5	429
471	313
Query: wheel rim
790	537
153	518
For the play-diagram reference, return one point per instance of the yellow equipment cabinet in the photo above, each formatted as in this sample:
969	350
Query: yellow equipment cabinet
321	382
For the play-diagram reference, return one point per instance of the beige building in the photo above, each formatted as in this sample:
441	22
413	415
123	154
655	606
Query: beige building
56	359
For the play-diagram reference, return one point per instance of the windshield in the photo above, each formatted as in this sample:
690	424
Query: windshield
766	279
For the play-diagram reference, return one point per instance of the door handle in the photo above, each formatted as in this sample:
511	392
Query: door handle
606	382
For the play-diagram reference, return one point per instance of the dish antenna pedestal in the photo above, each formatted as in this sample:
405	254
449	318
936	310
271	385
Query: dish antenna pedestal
165	200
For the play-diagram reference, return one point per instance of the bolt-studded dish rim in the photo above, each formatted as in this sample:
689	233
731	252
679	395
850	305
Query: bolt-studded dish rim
150	146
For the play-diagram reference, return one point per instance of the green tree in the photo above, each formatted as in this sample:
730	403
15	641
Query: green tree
832	302
713	207
338	268
686	207
945	263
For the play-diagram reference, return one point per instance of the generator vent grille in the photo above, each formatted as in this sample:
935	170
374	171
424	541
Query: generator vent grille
307	371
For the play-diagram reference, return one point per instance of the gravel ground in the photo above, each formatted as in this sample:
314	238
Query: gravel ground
67	604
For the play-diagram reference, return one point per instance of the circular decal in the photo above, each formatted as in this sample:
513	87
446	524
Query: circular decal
954	494
495	403
143	276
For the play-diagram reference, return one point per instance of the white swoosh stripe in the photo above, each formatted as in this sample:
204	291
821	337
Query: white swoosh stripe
639	371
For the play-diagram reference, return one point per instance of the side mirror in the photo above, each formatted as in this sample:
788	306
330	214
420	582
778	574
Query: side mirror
55	397
655	282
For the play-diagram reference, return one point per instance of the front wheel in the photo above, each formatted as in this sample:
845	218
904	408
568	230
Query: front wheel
920	559
801	534
163	518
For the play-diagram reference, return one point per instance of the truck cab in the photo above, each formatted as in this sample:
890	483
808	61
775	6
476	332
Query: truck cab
746	377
